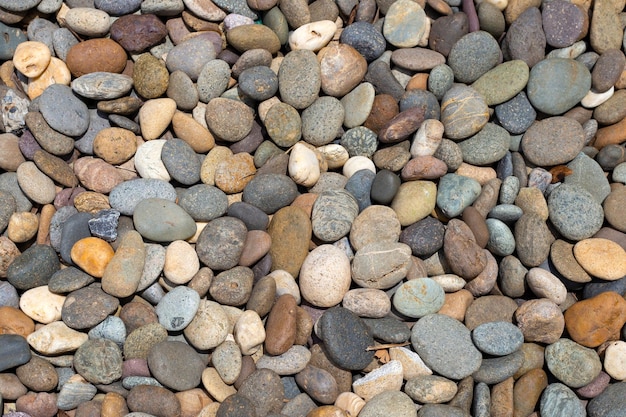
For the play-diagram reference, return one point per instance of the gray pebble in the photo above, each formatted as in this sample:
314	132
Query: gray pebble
63	111
125	196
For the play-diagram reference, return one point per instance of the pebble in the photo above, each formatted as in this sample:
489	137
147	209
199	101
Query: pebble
418	297
150	220
571	363
41	305
177	308
437	338
497	338
574	212
463	120
540	320
558	400
314	284
56	338
176	365
585	329
473	55
607	402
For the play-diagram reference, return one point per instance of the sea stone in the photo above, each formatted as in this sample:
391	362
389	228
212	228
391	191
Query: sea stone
463	112
563	135
592	330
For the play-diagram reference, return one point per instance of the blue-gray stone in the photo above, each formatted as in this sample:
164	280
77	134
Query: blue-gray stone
574	212
253	217
360	186
204	202
555	85
56	225
365	38
610	402
445	345
8	183
33	268
501	240
588	174
68	279
41	30
14	351
418	297
97	122
270	192
455	193
423	99
509	189
162	220
191	56
62	41
599	286
424	237
259	83
322	120
125	196
118	7
11	37
346	338
292	389
75	228
388	329
504	169
221	242
63	111
181	161
557	400
508	213
495	370
440	80
104	224
571	363
111	328
332	214
131	382
7	208
498	338
482	400
237	7
487	146
539	178
8	295
18	5
360	141
517	114
473	55
213	80
177	308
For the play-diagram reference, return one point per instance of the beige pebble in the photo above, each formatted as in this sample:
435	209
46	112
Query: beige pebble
449	282
601	258
388	377
55	73
265	106
211	161
35	184
286	284
22	226
531	200
41	305
412	364
357	163
88	21
303	166
593	99
325	276
155	116
312	36
194	133
481	174
45	217
427	138
192	401
350	402
367	302
500	4
335	155
218	389
148	160
249	332
181	262
56	338
31	58
544	284
615	360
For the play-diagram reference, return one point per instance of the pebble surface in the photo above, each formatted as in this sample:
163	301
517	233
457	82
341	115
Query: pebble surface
269	208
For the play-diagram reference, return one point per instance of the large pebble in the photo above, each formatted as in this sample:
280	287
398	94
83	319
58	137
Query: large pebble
381	265
325	276
161	220
463	112
574	212
571	363
405	24
418	297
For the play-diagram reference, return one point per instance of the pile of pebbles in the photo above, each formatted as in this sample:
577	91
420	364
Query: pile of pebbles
374	208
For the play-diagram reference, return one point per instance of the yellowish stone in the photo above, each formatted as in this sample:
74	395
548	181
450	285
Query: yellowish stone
92	255
601	258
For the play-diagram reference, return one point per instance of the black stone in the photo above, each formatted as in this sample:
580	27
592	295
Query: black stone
74	229
388	329
424	237
385	186
104	225
598	287
253	217
33	268
69	279
365	38
14	351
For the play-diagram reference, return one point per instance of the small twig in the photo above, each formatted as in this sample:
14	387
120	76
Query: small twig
387	346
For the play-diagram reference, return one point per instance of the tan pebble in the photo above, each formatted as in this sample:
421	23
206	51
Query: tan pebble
532	200
123	272
234	173
325	276
91	202
601	258
418	82
481	174
500	4
31	58
210	410
115	145
367	302
609	135
7	69
55	73
181	262
192	401
211	161
303	166
456	304
8	253
218	389
342	69
35	184
88	21
593	99
328	411
41	305
449	282
22	226
14	321
10	155
195	134
56	338
113	405
546	285
540	320
412	364
92	255
388	377
257	244
155	116
265	106
350	402
249	332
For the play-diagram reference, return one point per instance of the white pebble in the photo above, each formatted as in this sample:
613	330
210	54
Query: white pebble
181	262
335	155
148	161
427	138
325	276
286	284
544	284
357	163
41	305
312	36
249	332
593	99
615	360
304	167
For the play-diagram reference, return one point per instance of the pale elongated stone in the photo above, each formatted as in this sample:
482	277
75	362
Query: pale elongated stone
56	338
312	36
102	85
154	117
41	305
427	138
304	168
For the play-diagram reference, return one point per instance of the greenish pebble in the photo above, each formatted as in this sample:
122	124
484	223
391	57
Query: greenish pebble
487	146
571	363
455	193
275	20
503	82
419	297
440	80
161	220
501	240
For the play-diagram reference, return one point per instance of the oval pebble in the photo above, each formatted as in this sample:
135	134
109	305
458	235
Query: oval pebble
418	297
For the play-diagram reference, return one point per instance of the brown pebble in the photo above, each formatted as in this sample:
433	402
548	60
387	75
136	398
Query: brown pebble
41	404
328	411
192	402
157	401
136	314
55	168
402	125
89	409
96	55
527	391
38	375
490	308
318	383
540	320
97	175
123	105
304	326
45	217
256	245
91	202
113	405
384	108
12	388
291	231
13	321
115	145
456	304
319	359
476	222
465	257
280	327
188	129
595	320
342	68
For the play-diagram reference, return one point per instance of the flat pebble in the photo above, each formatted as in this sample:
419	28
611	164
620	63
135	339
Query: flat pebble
313	278
291	362
497	338
380	264
418	297
150	220
473	55
177	308
405	24
574	212
176	365
558	399
571	363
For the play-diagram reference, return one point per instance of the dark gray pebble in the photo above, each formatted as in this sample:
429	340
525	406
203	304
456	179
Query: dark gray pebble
75	228
388	329
203	202
360	186
33	268
253	217
270	192
424	237
69	279
14	351
104	224
385	186
365	38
